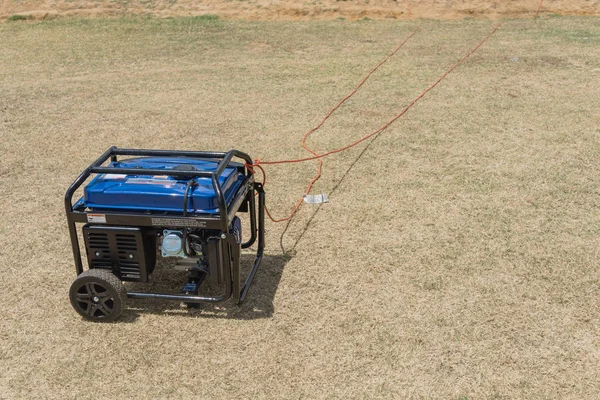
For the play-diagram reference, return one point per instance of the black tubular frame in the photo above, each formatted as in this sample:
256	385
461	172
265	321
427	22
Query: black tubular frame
227	242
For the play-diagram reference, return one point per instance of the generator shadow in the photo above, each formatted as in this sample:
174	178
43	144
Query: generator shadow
258	303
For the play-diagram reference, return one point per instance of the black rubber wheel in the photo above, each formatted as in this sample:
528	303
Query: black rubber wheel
97	295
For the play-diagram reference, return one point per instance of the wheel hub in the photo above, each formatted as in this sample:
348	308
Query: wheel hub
94	300
96	295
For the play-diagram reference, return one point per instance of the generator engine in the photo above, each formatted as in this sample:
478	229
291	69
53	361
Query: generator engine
172	244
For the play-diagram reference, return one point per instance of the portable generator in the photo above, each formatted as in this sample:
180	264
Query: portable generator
141	205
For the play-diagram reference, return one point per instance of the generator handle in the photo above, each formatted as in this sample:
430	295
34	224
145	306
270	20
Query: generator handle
69	205
215	182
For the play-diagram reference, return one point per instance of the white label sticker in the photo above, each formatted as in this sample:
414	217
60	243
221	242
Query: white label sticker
114	176
315	198
152	181
97	218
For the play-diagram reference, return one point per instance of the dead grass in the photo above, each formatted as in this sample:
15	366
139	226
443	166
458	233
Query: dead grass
457	259
292	10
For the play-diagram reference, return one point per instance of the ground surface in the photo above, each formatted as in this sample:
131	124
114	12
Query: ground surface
301	9
457	259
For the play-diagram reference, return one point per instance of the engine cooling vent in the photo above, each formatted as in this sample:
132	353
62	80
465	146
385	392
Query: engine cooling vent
127	252
98	243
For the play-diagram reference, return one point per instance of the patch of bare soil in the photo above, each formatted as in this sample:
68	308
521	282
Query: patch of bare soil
302	9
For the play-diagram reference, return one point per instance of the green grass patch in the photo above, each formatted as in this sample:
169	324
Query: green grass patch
206	17
19	17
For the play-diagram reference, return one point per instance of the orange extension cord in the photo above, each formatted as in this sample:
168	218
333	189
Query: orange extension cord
539	7
257	163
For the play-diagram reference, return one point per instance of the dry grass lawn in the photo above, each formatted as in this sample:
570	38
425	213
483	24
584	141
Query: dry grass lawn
456	259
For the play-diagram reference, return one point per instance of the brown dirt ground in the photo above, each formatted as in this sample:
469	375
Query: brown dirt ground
457	259
302	9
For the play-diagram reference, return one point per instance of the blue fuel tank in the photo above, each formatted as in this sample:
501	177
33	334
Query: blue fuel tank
161	193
